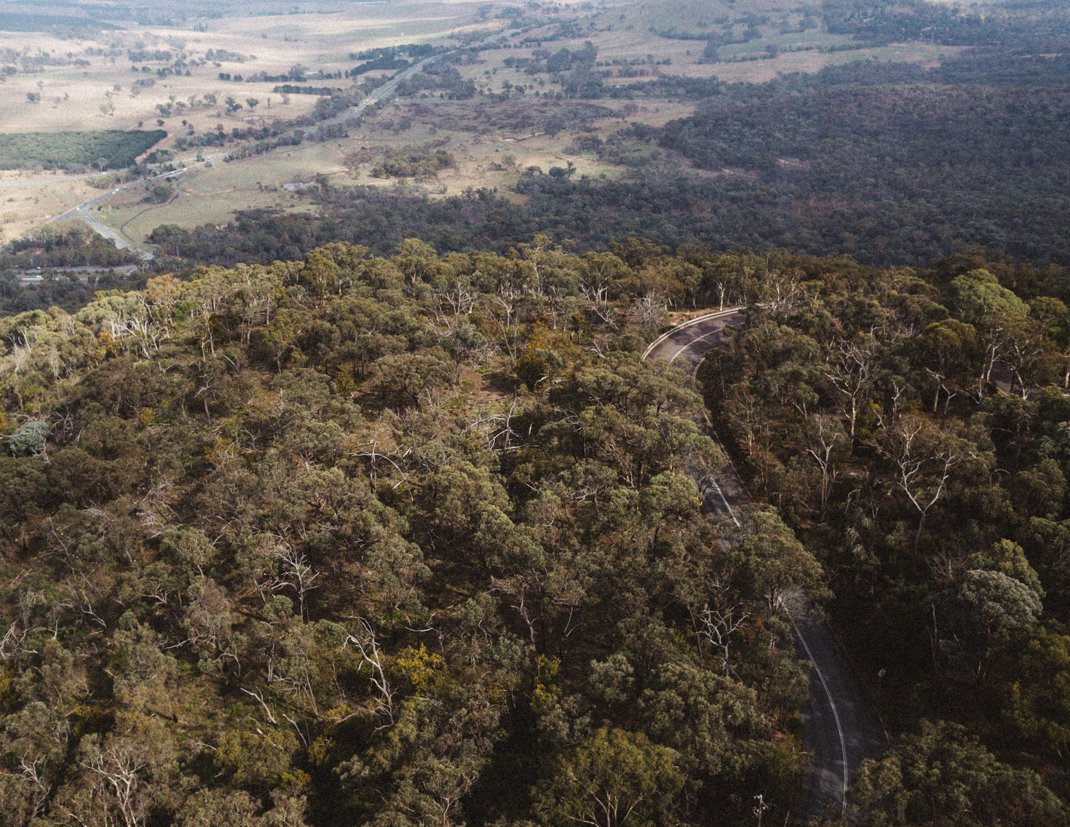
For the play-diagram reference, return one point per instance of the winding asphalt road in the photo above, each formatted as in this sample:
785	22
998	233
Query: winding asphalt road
840	730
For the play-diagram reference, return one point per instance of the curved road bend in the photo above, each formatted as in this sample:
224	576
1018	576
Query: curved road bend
839	729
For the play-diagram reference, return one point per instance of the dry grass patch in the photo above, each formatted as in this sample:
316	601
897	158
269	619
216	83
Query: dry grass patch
87	84
216	194
29	201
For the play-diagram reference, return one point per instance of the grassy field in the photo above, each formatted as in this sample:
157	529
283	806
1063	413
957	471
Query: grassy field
135	78
88	82
29	201
808	40
214	195
761	71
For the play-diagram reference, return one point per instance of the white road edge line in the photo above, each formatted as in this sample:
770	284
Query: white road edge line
694	342
817	669
727	505
832	705
731	513
689	323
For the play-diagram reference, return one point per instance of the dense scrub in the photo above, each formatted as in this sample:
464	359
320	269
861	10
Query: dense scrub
72	265
899	166
73	247
1019	25
76	151
412	163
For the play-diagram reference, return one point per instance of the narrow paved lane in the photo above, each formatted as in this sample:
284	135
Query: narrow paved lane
840	730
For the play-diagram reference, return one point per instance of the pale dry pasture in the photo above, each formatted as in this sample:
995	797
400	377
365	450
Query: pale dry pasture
90	83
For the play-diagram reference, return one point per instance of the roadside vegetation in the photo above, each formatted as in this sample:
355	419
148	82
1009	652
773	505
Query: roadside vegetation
908	425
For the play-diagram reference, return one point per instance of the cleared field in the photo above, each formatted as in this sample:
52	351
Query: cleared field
487	154
137	224
139	77
216	194
811	39
490	160
495	163
120	79
761	71
29	201
90	101
490	151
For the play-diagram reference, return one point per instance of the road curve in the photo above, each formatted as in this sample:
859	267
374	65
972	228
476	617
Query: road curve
839	728
86	210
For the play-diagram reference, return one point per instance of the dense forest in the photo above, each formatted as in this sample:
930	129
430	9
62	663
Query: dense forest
71	265
358	540
66	290
71	247
416	539
910	429
376	514
851	153
1021	24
